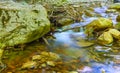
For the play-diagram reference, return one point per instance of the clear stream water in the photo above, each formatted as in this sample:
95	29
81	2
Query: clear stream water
66	41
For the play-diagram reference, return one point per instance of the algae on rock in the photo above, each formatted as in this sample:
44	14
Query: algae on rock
22	23
98	25
115	6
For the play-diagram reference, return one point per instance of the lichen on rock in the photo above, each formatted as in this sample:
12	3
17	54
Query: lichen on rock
21	23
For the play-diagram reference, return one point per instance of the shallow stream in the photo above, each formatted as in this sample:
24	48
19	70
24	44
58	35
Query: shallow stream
71	45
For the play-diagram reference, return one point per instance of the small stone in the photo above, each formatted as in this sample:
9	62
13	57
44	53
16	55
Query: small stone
28	65
36	57
51	63
73	72
43	65
9	72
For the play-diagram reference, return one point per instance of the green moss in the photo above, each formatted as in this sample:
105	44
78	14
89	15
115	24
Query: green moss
22	23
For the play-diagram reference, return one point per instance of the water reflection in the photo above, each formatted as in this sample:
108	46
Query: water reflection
93	57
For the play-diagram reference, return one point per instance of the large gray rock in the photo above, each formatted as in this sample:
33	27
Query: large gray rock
21	23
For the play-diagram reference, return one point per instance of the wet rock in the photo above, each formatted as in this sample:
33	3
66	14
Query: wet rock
73	72
22	23
102	49
84	43
118	18
46	57
29	65
50	55
65	21
50	63
105	38
89	13
111	10
36	57
98	25
117	26
43	65
109	36
115	6
115	33
116	1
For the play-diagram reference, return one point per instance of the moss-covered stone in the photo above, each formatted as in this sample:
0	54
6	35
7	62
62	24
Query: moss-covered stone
117	26
115	6
98	25
118	18
115	33
21	23
105	38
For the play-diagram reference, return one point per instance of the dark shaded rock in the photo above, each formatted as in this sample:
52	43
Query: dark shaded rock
117	26
118	18
116	1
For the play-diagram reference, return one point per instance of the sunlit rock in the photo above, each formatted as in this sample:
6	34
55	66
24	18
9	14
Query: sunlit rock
115	6
111	10
36	57
50	63
46	56
73	72
29	65
98	25
84	43
115	33
22	23
91	13
105	38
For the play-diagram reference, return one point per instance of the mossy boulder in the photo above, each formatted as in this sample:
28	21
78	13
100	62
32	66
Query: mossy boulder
115	6
21	23
108	37
98	25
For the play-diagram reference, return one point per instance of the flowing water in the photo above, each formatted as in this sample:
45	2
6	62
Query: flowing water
96	59
73	45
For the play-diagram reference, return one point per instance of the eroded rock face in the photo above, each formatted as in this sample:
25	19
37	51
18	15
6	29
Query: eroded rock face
21	23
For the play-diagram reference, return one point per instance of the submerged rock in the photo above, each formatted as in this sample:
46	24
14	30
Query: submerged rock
21	23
